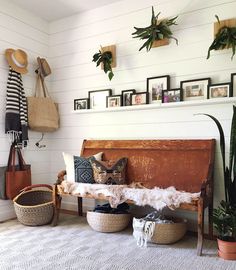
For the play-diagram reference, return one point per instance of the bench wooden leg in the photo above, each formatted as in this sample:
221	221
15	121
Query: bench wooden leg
200	227
57	205
210	218
80	206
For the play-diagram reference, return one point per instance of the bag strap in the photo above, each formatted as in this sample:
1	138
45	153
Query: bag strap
40	87
12	158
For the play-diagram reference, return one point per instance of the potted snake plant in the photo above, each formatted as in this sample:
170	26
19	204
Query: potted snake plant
105	58
225	38
224	216
157	31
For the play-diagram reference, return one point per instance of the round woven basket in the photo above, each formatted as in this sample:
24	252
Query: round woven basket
102	222
169	233
34	207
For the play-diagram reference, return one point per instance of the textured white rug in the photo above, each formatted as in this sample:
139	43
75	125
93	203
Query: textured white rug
73	245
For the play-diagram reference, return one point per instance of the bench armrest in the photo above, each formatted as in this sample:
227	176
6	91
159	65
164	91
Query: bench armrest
207	185
60	176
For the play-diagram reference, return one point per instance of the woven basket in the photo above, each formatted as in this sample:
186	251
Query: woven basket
102	222
169	233
34	207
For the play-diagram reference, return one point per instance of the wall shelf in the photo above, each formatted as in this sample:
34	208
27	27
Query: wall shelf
160	105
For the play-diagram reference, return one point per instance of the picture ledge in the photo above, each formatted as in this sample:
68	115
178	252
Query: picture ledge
160	105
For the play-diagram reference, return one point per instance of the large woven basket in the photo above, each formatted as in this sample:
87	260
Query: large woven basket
102	222
34	207
169	233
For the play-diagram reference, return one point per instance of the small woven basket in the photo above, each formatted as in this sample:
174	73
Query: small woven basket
168	233
34	207
102	222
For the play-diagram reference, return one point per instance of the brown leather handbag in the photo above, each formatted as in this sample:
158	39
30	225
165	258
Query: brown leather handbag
17	176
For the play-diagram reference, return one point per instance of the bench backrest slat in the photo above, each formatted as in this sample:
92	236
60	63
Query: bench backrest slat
183	164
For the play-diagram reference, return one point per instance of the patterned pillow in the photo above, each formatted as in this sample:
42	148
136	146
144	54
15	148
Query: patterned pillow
70	164
109	172
83	169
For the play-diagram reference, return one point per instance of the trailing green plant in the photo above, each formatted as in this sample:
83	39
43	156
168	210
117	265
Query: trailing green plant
158	30
106	59
224	39
224	217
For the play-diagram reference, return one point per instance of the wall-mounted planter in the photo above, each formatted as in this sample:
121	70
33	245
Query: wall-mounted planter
224	36
159	43
112	49
224	23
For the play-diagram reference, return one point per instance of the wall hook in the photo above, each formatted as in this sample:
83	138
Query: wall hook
37	143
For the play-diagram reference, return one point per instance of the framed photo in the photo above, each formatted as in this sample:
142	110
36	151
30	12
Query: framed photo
81	104
219	90
173	95
126	97
155	86
114	101
233	84
195	89
139	98
98	98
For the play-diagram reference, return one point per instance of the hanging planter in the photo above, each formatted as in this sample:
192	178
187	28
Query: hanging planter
225	36
157	34
107	58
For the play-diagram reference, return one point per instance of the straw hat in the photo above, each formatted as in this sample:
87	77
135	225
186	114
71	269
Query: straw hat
44	68
17	60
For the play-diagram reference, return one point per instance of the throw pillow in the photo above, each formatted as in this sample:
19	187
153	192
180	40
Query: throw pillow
70	165
83	170
109	172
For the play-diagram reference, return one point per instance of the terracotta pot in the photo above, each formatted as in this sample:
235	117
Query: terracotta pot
227	250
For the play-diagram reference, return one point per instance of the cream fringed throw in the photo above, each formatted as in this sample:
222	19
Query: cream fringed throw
157	198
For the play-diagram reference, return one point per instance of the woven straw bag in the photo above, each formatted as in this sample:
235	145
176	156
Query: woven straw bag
34	207
168	233
102	222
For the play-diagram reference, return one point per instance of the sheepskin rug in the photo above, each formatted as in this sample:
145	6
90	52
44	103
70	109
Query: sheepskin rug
157	198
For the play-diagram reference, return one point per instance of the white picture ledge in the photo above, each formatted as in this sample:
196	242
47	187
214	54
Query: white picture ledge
160	105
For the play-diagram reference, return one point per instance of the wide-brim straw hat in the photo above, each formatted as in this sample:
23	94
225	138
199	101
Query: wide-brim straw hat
17	60
44	67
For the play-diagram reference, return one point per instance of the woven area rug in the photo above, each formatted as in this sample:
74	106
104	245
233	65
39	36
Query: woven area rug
73	245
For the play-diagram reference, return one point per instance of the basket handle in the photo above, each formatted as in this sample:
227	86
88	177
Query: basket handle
36	186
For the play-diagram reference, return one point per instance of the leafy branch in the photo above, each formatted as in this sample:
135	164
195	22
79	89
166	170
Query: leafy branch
224	39
158	30
106	59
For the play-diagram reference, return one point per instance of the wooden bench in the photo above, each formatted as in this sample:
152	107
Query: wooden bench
185	164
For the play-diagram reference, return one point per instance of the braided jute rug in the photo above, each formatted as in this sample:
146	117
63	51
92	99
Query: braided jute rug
73	245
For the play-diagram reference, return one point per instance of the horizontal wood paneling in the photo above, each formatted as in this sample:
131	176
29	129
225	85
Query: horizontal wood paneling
23	30
75	39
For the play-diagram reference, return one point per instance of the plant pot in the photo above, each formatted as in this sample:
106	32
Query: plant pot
226	250
159	43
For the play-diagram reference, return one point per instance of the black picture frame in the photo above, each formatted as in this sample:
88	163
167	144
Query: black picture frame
172	95
114	101
81	104
97	98
126	96
139	98
219	90
155	86
233	84
195	89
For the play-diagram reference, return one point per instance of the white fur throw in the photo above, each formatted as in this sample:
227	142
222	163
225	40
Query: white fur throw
157	198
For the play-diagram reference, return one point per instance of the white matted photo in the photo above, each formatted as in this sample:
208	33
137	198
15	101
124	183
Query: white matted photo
219	90
155	86
195	89
114	101
98	98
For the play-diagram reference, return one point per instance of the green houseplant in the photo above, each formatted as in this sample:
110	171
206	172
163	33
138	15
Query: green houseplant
224	216
158	30
224	39
104	58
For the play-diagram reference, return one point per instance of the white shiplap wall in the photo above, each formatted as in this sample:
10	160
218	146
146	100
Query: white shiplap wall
75	39
21	29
